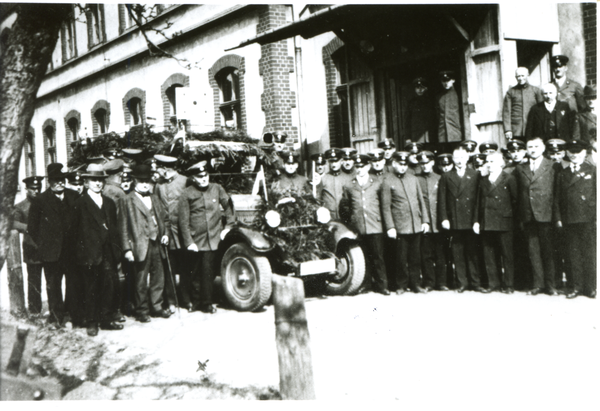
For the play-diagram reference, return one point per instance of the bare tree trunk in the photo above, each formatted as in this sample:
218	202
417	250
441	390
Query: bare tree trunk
26	53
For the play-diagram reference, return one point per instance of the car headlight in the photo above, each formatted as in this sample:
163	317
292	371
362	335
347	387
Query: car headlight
323	215
273	218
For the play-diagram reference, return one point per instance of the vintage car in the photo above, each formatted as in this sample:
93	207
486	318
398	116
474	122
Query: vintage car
289	234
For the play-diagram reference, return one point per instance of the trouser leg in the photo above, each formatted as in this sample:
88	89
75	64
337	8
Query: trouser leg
169	281
535	255
508	262
489	240
413	259
389	256
373	243
401	262
207	267
91	279
186	259
53	273
458	256
157	277
471	255
545	236
140	292
439	242
428	260
105	297
34	288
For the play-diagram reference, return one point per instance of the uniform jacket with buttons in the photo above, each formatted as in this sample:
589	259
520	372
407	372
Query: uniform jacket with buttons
169	192
407	211
575	197
496	203
95	231
457	198
134	221
430	183
536	191
517	103
331	189
572	93
20	216
361	207
49	224
201	217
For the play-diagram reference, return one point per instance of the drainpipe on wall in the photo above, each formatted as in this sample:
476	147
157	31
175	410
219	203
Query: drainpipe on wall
299	85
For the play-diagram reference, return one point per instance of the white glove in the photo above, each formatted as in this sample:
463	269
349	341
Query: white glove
129	256
446	225
476	228
391	233
193	247
164	240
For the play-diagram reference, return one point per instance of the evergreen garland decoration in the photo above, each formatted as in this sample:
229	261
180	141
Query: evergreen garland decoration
299	236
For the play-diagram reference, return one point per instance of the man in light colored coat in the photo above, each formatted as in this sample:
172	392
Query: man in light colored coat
517	102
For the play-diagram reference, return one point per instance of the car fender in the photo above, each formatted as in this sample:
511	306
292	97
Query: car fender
341	232
258	241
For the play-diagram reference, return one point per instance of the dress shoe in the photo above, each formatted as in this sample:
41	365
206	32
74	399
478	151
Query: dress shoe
111	326
161	314
592	294
574	294
552	291
144	318
189	308
92	330
480	289
493	289
419	290
118	317
443	288
400	291
429	288
384	291
508	290
209	309
535	291
172	309
461	289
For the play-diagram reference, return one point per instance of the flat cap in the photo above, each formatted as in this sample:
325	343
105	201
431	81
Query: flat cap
413	147
112	152
126	176
76	178
290	157
447	75
199	169
114	166
425	156
479	159
276	137
420	81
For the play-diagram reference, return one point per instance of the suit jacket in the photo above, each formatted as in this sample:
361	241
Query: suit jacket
49	224
201	218
572	93
407	211
20	217
536	191
134	221
496	203
429	187
565	120
95	231
587	121
575	197
448	112
169	193
331	189
457	198
361	207
518	101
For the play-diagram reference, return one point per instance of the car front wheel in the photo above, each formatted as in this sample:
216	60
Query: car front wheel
246	278
351	271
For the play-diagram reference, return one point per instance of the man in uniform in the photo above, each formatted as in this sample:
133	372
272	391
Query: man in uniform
448	110
144	227
517	153
33	185
75	182
348	171
277	143
378	164
517	102
420	116
552	118
290	180
112	186
126	181
332	183
555	148
575	213
457	198
444	162
493	221
479	163
488	148
389	148
320	163
406	219
201	227
360	208
433	253
535	182
97	252
413	149
168	191
587	117
49	224
568	90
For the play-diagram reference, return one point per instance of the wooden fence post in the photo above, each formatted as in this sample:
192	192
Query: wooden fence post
293	342
16	292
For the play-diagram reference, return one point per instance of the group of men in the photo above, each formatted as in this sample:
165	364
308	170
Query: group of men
110	230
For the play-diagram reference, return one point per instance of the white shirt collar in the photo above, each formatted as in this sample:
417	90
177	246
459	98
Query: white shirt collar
97	197
550	106
362	180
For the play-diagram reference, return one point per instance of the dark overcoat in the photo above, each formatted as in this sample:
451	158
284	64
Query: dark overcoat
496	203
361	206
331	190
430	183
536	191
169	192
457	198
565	120
406	211
575	197
448	111
49	224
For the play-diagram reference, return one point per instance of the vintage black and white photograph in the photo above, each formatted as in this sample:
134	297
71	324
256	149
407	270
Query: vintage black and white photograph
359	203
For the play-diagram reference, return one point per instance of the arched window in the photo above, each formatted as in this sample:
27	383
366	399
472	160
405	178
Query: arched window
49	131
100	117
72	126
226	77
169	96
29	148
134	108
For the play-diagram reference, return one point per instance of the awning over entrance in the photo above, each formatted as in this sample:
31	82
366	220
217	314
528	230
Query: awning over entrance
387	33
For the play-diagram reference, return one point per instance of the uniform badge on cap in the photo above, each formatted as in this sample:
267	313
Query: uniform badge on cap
444	159
425	156
386	144
483	147
515	145
334	154
377	154
401	157
349	153
469	145
318	158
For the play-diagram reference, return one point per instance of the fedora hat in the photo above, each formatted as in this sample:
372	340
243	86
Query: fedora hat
94	171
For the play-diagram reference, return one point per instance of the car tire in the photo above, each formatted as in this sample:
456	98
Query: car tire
246	278
352	265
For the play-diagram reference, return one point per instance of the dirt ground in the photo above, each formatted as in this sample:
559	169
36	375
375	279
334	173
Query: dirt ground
430	351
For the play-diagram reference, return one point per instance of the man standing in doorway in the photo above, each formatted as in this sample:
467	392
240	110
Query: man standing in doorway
448	110
517	103
569	90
